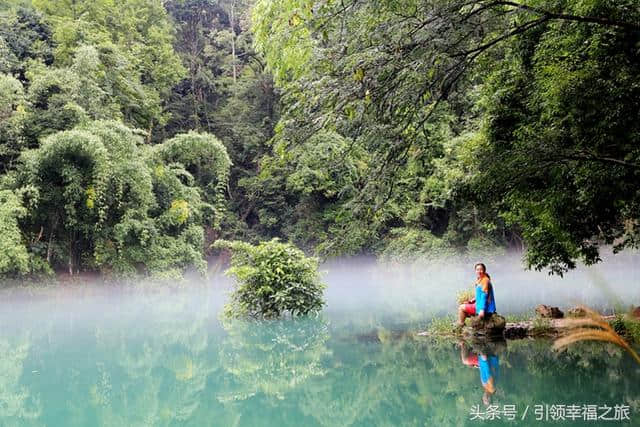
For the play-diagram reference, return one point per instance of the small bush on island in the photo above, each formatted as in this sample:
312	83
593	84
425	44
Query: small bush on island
273	279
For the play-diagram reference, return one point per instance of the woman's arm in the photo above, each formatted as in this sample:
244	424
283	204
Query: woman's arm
481	296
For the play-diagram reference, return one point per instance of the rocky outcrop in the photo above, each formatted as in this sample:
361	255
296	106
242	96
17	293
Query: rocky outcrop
517	330
493	326
548	312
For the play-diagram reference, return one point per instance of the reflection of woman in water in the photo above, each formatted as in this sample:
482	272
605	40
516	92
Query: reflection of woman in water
484	303
489	365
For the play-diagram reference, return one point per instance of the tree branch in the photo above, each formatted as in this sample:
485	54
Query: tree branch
566	17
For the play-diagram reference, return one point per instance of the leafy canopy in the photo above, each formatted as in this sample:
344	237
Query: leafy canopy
274	279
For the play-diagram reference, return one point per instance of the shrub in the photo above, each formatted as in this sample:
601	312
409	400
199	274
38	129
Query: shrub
205	158
273	278
465	295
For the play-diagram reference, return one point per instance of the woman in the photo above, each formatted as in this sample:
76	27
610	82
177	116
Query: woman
484	303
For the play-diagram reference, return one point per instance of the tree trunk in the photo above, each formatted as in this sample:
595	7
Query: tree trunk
233	42
71	252
53	230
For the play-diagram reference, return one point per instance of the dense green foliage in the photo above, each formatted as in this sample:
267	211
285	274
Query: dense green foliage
103	200
510	121
402	128
81	194
273	279
13	253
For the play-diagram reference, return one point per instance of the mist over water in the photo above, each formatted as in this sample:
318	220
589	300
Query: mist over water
100	354
401	293
390	293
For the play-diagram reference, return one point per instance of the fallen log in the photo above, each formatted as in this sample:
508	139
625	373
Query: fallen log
539	327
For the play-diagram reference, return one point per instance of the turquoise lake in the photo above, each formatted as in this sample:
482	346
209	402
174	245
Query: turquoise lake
150	355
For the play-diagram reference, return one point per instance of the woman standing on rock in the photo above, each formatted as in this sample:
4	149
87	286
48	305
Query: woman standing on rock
484	303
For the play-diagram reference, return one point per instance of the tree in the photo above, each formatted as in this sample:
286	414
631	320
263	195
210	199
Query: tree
137	36
103	200
274	279
12	104
206	160
391	74
13	252
66	170
228	93
562	126
24	36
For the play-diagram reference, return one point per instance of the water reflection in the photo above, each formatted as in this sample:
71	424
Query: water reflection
16	400
483	355
166	359
272	357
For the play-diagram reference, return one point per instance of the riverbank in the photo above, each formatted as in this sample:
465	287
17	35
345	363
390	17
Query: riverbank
523	326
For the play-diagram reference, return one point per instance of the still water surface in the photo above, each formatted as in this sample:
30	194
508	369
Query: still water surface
148	356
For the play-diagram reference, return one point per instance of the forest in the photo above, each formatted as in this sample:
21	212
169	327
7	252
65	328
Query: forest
134	134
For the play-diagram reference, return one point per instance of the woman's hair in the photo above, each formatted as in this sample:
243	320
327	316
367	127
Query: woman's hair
484	268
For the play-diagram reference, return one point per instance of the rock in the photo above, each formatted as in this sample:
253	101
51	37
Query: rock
636	312
549	312
576	312
517	330
493	326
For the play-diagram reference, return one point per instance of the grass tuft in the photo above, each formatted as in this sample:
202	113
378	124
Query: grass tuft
541	325
441	326
592	328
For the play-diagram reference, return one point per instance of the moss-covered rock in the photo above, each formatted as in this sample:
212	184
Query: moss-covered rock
491	326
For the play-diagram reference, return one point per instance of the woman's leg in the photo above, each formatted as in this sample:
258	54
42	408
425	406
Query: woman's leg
462	315
464	311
